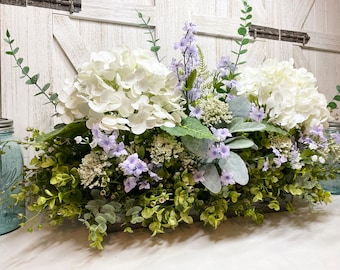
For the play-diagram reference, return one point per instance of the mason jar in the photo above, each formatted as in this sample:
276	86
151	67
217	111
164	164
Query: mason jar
11	174
333	186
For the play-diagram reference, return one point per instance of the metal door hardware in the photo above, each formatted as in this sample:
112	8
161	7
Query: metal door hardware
258	31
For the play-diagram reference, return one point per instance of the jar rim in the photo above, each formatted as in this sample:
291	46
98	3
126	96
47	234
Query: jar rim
6	123
334	124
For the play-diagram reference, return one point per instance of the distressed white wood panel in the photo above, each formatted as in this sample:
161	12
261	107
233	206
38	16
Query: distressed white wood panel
54	43
115	11
64	32
33	36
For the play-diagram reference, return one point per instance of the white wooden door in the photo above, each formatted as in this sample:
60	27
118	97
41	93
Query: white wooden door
55	43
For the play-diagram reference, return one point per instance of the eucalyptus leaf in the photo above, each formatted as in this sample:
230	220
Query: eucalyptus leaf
212	179
235	165
190	126
240	107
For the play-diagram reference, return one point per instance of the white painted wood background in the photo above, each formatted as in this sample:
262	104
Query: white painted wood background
54	43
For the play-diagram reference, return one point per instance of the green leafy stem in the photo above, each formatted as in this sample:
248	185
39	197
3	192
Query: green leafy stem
332	104
31	80
146	24
243	32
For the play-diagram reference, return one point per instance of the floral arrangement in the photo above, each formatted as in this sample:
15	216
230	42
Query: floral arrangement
146	144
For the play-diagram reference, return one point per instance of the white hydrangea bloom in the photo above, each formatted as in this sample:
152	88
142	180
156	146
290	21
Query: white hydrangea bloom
288	94
122	89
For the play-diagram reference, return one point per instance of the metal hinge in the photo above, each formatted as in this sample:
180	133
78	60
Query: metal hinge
258	31
67	5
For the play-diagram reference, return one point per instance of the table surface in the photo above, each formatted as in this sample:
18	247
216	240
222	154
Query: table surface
307	239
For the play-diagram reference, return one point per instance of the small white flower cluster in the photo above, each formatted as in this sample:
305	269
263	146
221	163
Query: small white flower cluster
123	89
215	111
281	142
92	170
164	148
289	95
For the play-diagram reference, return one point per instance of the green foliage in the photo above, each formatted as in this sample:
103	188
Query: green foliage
150	31
243	31
71	130
239	107
190	126
25	71
239	125
174	200
53	183
332	105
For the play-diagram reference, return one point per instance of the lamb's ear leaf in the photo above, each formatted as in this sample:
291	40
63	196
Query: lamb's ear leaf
235	165
240	107
199	147
212	179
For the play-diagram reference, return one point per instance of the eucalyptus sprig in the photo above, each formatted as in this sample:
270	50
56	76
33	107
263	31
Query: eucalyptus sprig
150	31
31	80
243	31
333	103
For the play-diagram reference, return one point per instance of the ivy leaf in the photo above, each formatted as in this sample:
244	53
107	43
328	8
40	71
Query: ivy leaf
190	126
236	166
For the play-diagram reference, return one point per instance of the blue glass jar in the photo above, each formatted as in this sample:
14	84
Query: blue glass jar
11	173
333	186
